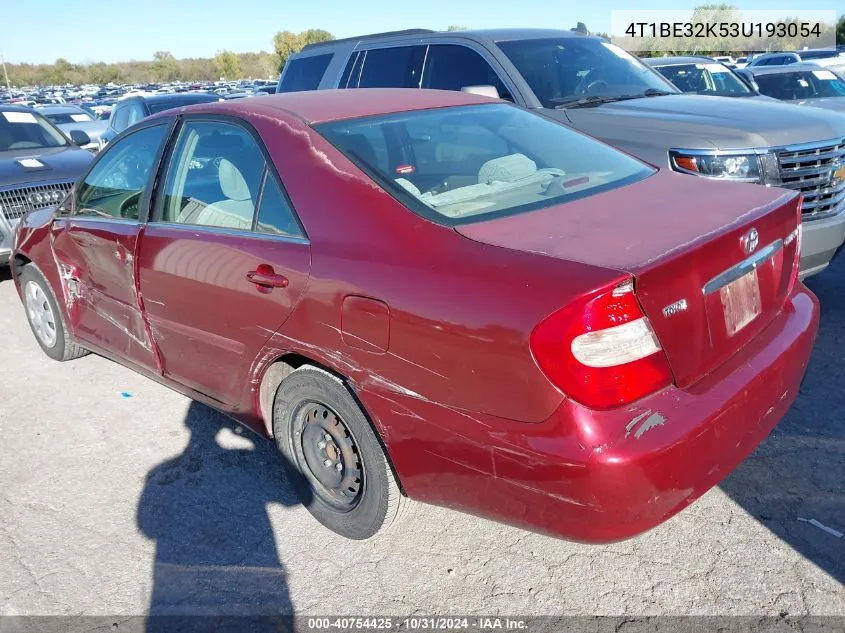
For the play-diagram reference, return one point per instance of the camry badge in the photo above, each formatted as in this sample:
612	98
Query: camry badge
749	241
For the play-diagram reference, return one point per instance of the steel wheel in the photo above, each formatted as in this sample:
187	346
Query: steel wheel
328	456
40	314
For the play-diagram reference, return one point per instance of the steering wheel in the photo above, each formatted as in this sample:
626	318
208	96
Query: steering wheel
593	87
129	207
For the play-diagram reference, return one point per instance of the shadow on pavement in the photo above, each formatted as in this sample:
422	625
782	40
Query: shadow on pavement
799	470
206	510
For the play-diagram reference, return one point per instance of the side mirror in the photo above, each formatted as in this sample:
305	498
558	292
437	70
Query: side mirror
79	138
484	91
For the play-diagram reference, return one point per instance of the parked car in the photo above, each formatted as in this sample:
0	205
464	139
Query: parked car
130	110
37	167
821	56
600	89
438	295
802	84
71	117
727	60
703	76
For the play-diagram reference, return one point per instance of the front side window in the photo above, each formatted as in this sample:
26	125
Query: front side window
452	67
116	184
803	84
27	130
304	73
562	71
214	177
396	67
463	164
706	79
136	113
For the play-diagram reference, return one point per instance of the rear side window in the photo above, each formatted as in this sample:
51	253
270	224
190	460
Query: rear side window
452	67
397	67
120	118
304	73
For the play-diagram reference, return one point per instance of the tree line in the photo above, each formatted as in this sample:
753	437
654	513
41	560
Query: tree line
164	67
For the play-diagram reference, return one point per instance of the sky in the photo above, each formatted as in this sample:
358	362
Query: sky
85	31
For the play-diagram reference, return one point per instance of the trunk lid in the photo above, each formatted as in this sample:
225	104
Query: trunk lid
687	243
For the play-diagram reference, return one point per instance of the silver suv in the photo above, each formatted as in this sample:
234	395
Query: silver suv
600	89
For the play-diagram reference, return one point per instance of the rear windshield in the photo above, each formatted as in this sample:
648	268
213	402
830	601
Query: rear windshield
27	130
797	85
304	73
168	104
705	78
470	163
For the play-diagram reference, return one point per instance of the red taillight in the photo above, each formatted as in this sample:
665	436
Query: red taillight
601	350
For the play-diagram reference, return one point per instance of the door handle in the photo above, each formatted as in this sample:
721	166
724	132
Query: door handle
266	277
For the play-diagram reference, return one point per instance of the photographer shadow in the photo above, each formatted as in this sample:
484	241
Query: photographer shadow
798	473
217	561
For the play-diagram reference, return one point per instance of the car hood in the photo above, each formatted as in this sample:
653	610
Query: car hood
702	122
92	128
56	163
837	104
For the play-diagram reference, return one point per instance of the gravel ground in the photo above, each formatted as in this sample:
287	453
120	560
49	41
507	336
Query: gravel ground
153	503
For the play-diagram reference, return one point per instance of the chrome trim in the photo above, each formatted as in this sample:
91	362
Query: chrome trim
216	230
743	268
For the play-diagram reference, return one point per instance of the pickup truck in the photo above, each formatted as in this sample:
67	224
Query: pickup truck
598	88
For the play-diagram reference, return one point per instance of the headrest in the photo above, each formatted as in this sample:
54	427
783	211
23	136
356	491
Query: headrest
232	181
507	169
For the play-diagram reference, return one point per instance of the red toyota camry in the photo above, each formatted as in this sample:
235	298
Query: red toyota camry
435	296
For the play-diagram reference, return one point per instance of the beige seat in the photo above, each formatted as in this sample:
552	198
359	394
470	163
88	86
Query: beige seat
237	210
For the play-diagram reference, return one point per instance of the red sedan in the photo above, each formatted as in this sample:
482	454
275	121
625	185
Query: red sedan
436	296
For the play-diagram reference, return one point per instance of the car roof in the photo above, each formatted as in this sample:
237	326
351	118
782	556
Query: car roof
10	107
483	35
334	105
777	70
178	98
680	59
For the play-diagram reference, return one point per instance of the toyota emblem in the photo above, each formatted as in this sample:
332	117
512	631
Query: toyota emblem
749	241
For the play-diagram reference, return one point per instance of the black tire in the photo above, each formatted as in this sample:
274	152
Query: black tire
379	502
62	348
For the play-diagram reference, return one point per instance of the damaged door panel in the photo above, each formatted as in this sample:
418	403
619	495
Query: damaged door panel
97	264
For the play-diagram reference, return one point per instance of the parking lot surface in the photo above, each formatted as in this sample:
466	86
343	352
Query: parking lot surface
119	496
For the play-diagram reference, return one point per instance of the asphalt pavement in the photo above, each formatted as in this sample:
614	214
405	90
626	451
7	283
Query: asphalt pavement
119	496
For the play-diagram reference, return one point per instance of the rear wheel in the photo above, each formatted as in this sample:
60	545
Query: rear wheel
337	464
45	318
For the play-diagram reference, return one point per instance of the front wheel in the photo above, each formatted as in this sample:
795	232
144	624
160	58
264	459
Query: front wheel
45	318
336	461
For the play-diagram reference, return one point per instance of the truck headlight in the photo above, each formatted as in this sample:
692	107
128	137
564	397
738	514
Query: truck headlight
741	167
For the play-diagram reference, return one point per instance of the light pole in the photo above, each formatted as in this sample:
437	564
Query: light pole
5	74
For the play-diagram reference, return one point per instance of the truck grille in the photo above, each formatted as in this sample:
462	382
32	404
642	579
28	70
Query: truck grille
817	172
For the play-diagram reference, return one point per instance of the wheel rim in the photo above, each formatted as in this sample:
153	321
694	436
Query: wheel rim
328	456
40	313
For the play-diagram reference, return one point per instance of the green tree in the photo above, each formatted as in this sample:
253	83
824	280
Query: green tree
227	65
840	30
456	27
286	43
164	66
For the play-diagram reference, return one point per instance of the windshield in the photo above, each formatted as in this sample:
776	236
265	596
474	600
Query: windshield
461	164
562	70
27	130
705	78
60	118
797	85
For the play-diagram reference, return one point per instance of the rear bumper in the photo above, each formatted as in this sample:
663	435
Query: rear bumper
820	240
603	476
